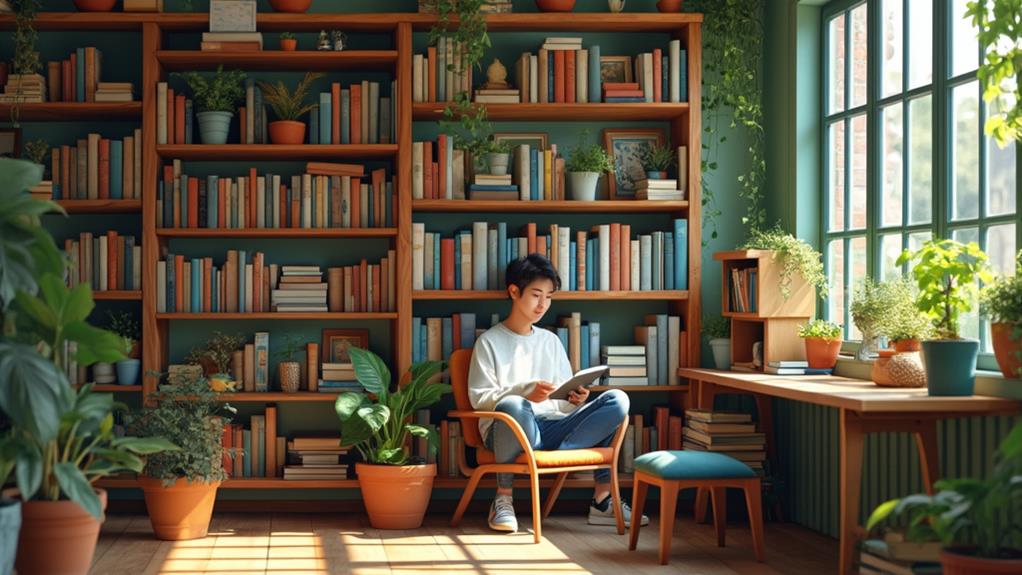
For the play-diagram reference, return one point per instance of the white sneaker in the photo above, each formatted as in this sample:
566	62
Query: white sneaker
603	513
502	515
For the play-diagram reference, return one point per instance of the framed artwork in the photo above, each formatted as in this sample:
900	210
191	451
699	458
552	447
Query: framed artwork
535	140
232	16
10	142
337	342
616	69
627	147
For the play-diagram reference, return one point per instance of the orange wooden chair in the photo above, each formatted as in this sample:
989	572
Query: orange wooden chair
530	462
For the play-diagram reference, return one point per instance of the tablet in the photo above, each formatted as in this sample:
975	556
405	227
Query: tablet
584	378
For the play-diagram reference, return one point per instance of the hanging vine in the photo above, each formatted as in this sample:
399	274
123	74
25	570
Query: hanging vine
732	96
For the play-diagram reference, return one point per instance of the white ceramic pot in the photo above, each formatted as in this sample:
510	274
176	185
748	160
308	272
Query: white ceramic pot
582	185
721	348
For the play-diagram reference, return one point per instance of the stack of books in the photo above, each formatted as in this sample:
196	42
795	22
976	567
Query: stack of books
627	364
233	41
493	187
301	289
114	92
623	92
658	190
899	558
338	377
794	367
495	7
732	434
498	96
315	458
143	5
256	450
24	88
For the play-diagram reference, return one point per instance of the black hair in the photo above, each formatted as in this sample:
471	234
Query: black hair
523	271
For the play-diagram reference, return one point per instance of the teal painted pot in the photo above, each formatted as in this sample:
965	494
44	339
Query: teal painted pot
213	126
10	524
950	365
127	371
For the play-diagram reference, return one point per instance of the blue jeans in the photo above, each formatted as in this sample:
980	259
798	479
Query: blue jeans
591	425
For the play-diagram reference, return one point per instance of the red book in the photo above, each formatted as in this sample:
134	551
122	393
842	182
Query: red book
615	256
559	82
335	114
221	212
356	203
111	260
621	86
569	75
66	85
363	295
355	115
283	207
456	331
170	116
104	168
179	119
447	264
356	288
623	93
242	119
179	273
530	234
193	203
431	69
379	189
71	91
250	199
207	286
427	172
626	257
658	77
441	159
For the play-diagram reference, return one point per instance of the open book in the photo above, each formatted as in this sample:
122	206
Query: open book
587	377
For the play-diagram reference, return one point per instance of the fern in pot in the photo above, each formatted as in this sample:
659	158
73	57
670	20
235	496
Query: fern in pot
289	108
586	162
216	99
656	161
395	487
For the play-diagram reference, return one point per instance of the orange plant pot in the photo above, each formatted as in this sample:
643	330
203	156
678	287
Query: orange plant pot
181	511
904	345
669	5
95	5
952	563
1006	349
822	353
555	5
287	132
56	537
396	497
295	6
288	44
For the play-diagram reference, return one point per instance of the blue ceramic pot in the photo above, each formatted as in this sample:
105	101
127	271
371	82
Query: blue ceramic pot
127	371
950	365
10	524
213	126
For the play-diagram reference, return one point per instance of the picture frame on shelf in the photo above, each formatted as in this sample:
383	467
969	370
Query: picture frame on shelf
10	142
627	146
535	140
232	15
336	343
616	69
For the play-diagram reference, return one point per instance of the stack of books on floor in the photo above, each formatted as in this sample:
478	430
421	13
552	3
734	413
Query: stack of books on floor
301	289
899	558
233	41
794	367
114	92
315	458
658	190
24	88
338	378
627	365
732	434
493	187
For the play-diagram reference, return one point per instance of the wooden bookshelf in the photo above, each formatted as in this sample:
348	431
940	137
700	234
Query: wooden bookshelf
274	152
303	60
574	22
75	111
559	206
616	112
100	206
117	295
325	316
280	397
474	295
117	388
277	233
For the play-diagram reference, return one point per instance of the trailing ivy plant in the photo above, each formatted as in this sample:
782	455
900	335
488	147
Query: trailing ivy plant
795	255
1001	39
26	57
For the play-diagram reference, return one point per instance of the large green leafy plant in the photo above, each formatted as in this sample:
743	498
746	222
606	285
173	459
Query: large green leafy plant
217	94
795	255
379	427
1000	35
948	275
588	157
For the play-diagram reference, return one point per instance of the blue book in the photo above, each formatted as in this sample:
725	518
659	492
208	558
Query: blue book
681	254
450	166
457	261
550	76
246	459
389	201
422	343
212	201
658	261
492	188
572	265
818	371
683	74
595	81
584	334
534	180
493	269
324	118
594	342
446	337
116	169
241	281
314	126
502	251
345	116
513	249
183	207
171	284
621	99
562	334
188	121
468	330
129	263
80	75
665	77
753	273
668	261
196	294
436	262
589	266
416	354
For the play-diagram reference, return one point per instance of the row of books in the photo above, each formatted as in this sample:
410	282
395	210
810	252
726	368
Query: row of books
174	116
439	74
98	168
742	289
256	450
357	114
605	258
74	79
640	437
245	283
733	434
325	196
315	458
107	261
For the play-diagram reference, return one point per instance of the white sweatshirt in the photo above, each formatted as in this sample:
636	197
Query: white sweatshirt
507	363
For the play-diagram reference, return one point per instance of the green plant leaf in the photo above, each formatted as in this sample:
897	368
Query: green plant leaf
119	459
375	416
371	372
94	344
33	392
355	431
391	456
881	513
78	489
144	445
28	471
348	403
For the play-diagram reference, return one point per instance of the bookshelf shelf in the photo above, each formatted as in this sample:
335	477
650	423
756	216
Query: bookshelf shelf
101	206
117	388
576	22
278	316
305	60
75	111
624	112
278	233
304	152
559	206
117	295
468	295
280	397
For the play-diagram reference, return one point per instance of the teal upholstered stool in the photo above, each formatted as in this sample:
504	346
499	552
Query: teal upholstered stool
673	471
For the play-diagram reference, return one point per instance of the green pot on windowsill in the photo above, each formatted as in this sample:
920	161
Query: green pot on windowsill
950	366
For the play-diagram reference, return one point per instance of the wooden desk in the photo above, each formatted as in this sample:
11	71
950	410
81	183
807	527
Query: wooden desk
864	408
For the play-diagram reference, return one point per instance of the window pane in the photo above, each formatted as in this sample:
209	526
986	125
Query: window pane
891	150
836	276
859	177
966	235
858	272
917	239
859	55
1001	248
965	128
892	44
920	111
836	63
837	175
1000	178
890	249
965	46
969	322
920	37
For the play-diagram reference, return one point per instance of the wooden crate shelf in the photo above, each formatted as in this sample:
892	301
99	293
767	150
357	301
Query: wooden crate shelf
275	152
616	112
304	60
117	295
277	233
279	316
425	295
75	111
100	206
549	206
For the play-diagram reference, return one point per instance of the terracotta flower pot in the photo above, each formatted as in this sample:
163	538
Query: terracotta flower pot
95	5
181	511
953	563
555	5
396	496
290	373
287	132
822	353
669	5
904	345
1006	349
290	5
56	537
288	44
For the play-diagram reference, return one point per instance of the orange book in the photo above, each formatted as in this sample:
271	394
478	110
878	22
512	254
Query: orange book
621	86
626	257
363	294
65	171
379	189
179	273
335	118
377	284
569	75
242	119
257	282
334	169
179	118
251	206
271	441
447	263
296	212
193	203
355	117
559	83
674	428
207	286
283	207
239	463
615	256
66	85
312	366
658	77
530	234
427	171
441	160
384	285
431	69
227	439
662	418
356	203
231	281
170	117
90	74
104	168
456	331
111	260
623	93
72	92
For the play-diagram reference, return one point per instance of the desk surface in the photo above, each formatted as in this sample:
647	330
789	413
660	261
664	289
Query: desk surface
853	394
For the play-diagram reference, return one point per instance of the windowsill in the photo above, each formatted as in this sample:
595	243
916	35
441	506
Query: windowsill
991	383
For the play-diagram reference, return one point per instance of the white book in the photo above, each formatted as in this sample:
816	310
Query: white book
673	349
674	78
582	76
646	266
161	283
647	75
604	266
306	200
520	170
417	171
534	78
417	83
636	265
564	252
161	113
418	245
479	249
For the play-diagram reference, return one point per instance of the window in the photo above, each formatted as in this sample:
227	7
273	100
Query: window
905	155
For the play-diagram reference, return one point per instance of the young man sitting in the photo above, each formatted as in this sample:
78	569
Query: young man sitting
515	366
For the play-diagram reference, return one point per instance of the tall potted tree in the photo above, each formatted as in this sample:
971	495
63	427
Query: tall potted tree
948	276
1002	304
289	108
216	99
395	487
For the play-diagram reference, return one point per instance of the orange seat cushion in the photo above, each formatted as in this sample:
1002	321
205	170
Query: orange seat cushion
559	458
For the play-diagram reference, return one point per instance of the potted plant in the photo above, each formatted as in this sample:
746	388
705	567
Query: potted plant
975	520
395	488
215	99
124	324
180	486
289	370
289	108
288	42
905	325
1002	303
871	307
795	256
586	162
656	162
297	6
668	5
94	5
823	343
63	438
215	359
26	57
947	276
717	330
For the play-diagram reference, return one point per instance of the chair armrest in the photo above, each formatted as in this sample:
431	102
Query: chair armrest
510	421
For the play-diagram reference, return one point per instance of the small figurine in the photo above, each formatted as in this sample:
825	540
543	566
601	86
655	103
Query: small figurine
340	40
496	76
323	43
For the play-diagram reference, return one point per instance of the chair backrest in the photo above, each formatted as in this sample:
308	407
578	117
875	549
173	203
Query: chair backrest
458	365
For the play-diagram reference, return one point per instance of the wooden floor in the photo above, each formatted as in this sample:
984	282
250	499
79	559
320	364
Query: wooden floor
332	544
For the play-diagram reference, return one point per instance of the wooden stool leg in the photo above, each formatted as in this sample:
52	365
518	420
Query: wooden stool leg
702	499
536	513
639	489
719	495
753	500
466	497
615	492
668	506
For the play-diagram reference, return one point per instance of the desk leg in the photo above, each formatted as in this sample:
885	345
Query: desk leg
852	442
929	457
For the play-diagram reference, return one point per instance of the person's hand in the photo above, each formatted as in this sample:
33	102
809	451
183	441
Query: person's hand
578	396
542	390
